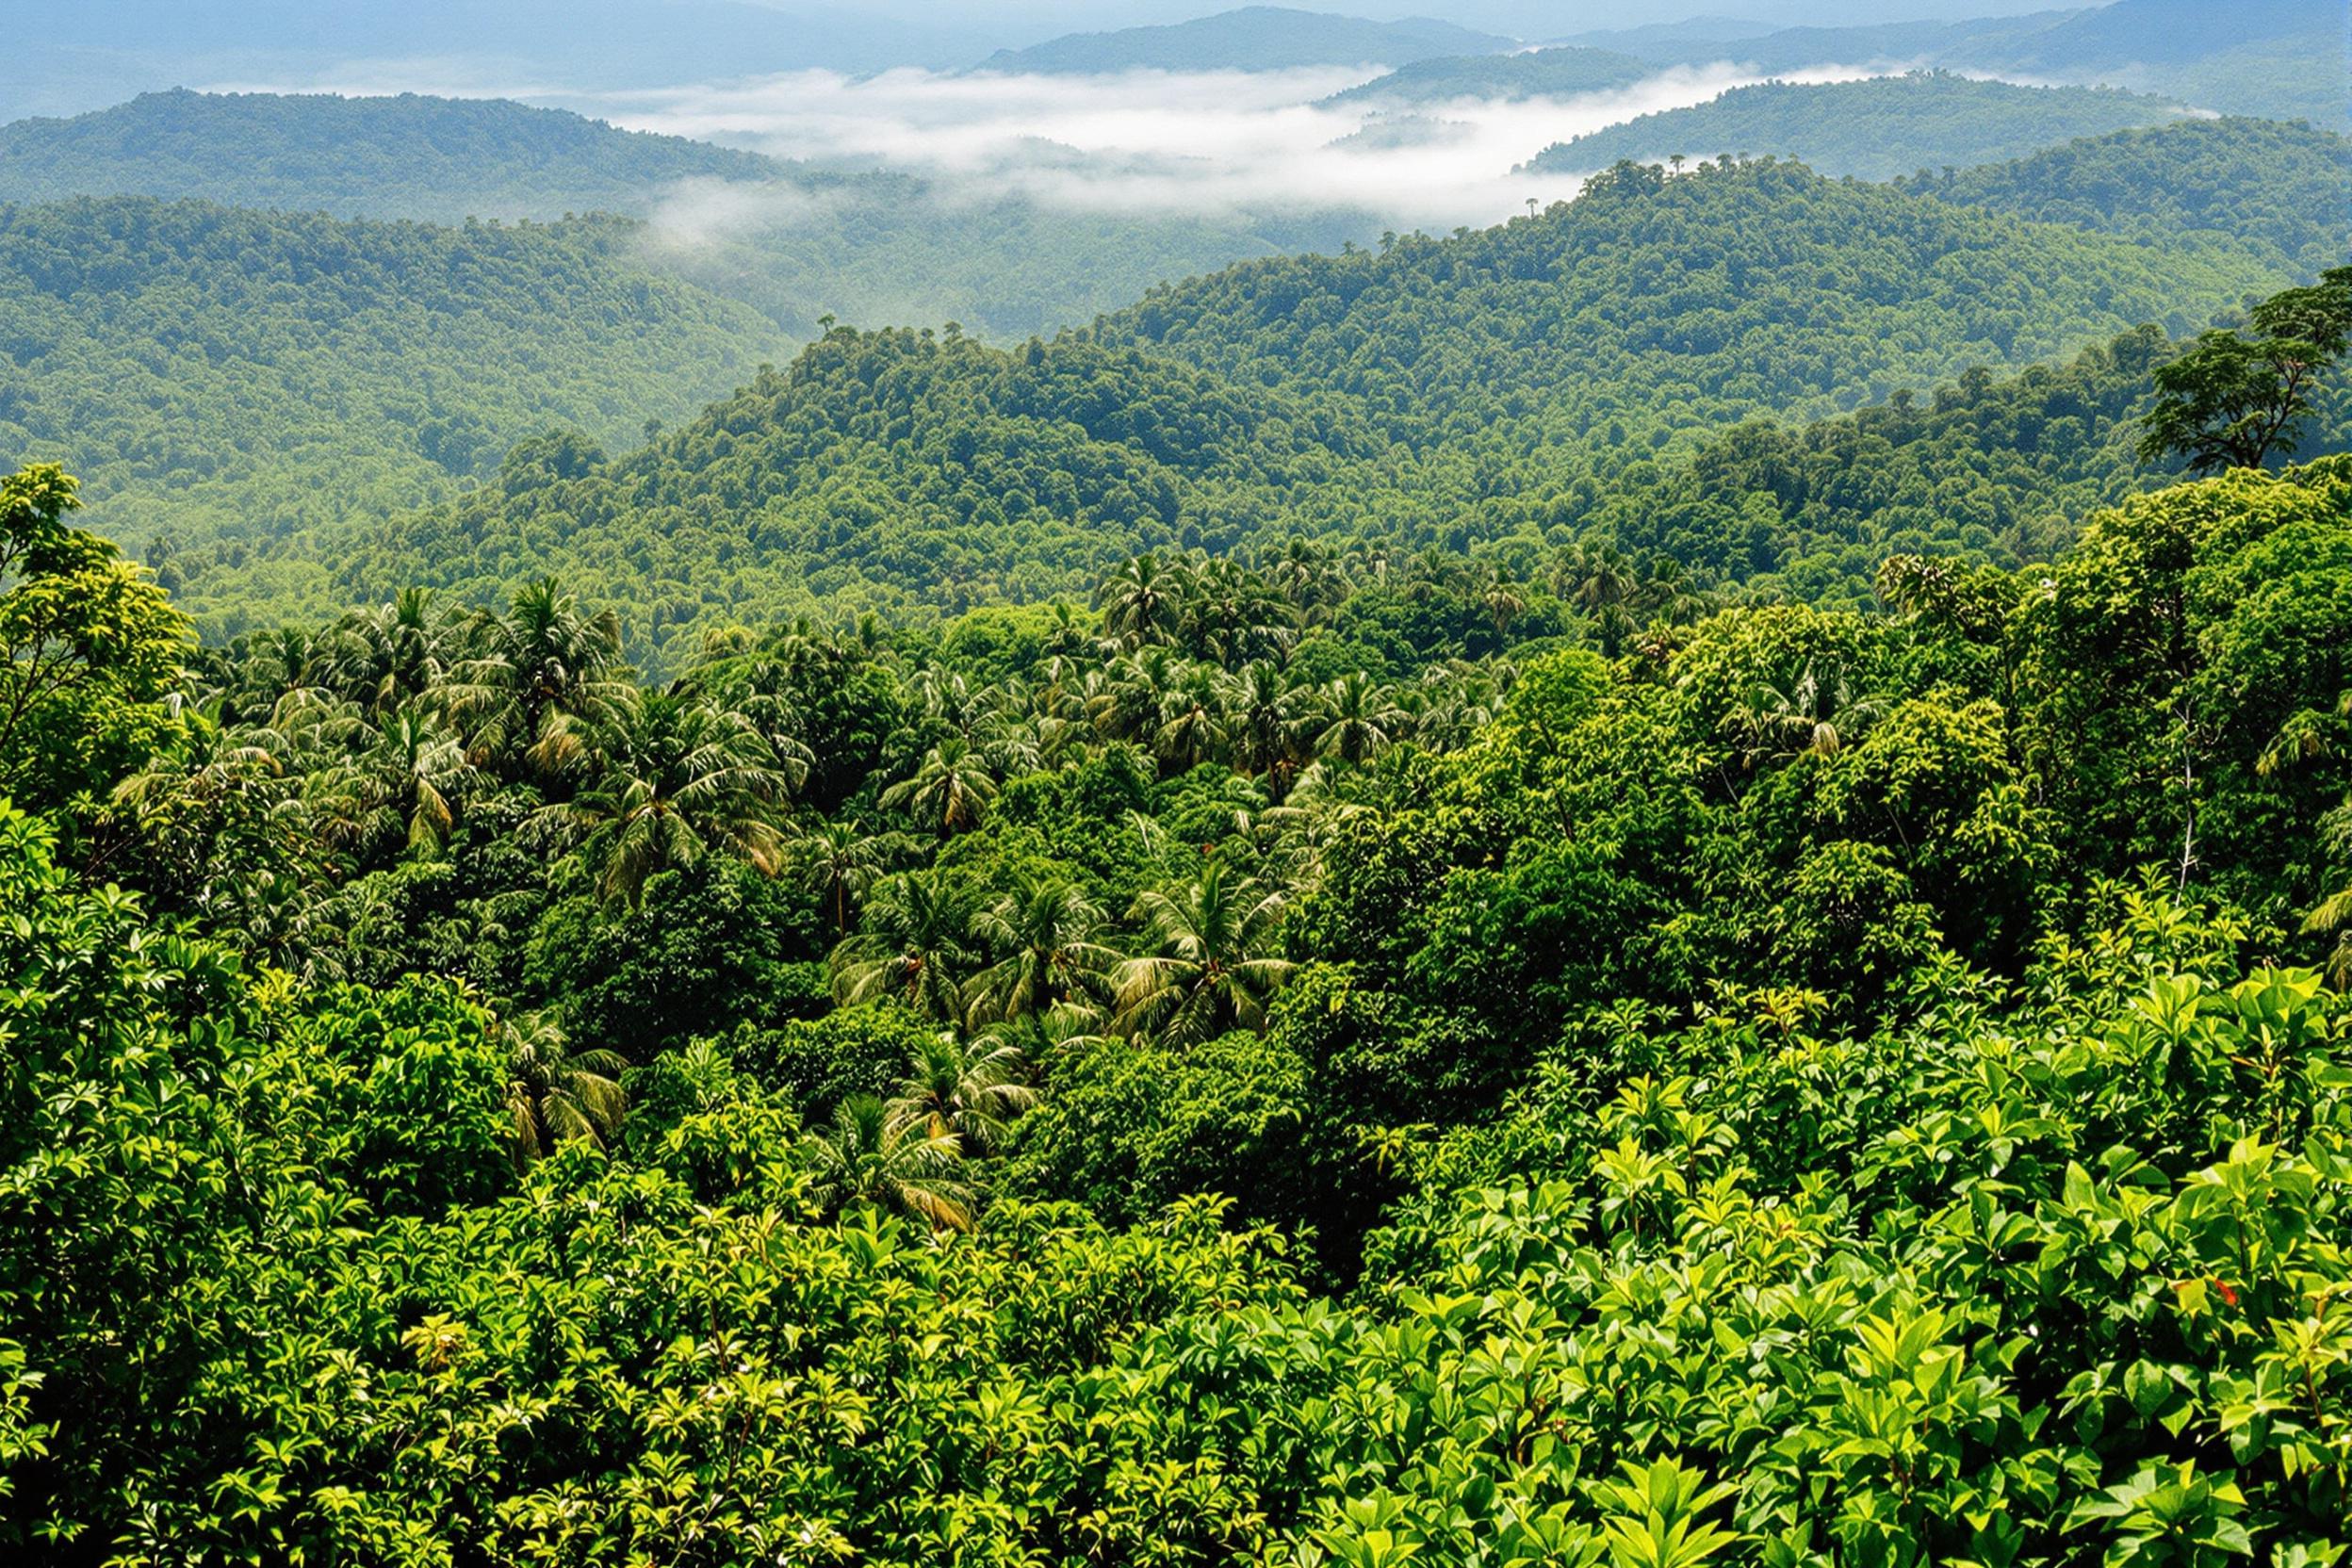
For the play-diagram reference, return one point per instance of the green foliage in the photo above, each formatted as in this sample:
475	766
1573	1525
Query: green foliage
2256	179
91	645
1552	72
2234	400
1872	129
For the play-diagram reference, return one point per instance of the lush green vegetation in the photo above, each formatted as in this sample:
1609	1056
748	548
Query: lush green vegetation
1486	390
1253	38
1562	73
1873	129
2278	58
1817	1086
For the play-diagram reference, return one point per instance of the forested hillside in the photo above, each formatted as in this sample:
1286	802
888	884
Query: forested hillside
1656	303
2285	185
407	157
1559	72
1459	392
1308	1064
1873	129
236	375
2280	58
1665	886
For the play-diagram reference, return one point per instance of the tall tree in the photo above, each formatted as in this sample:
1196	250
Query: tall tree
1210	968
675	778
866	1156
2237	399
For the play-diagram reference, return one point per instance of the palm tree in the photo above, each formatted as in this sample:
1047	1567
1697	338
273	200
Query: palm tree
554	1095
1209	972
949	794
541	676
1814	714
970	1093
910	945
411	781
385	657
841	864
1192	721
1357	719
1125	700
675	778
867	1157
1263	724
1046	938
1141	602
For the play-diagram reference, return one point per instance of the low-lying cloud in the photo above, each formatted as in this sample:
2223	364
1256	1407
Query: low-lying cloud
1158	141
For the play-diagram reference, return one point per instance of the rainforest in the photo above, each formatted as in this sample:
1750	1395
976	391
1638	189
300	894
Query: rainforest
1662	881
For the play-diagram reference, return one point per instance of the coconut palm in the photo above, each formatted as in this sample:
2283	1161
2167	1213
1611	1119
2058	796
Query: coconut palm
1355	719
411	781
841	864
949	794
864	1156
540	676
385	657
913	944
674	778
1047	955
970	1093
1209	970
1814	714
1263	725
1142	601
1192	721
555	1094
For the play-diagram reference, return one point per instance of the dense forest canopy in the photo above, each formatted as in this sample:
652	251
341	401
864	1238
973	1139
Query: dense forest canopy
1873	129
240	376
1668	886
1468	391
2278	58
514	1112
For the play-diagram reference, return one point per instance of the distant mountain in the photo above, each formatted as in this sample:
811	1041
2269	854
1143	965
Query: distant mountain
1872	129
1256	38
2179	32
2278	58
408	156
69	55
1560	72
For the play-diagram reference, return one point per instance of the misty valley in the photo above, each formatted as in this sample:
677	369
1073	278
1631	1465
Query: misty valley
981	782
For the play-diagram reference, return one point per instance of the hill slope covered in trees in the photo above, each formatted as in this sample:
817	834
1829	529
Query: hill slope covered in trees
407	157
1449	391
1873	129
236	375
